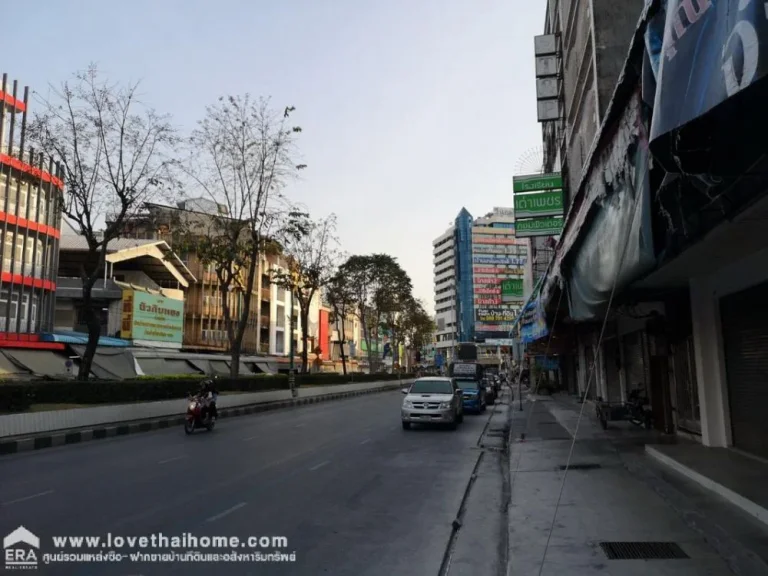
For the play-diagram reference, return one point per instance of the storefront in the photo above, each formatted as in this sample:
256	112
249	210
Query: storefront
744	317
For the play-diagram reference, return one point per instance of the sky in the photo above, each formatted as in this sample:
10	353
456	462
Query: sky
410	109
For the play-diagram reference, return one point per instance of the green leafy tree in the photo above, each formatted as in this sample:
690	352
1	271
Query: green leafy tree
341	298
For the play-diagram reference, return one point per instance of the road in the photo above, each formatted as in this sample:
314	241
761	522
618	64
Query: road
352	492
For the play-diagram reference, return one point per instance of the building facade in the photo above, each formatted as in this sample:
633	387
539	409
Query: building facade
30	193
444	261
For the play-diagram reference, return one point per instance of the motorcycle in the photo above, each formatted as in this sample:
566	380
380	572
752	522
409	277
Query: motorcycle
637	409
201	413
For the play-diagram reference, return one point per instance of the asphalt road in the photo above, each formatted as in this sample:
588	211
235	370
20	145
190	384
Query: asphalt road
352	492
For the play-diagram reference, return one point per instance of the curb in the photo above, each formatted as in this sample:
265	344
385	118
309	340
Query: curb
64	437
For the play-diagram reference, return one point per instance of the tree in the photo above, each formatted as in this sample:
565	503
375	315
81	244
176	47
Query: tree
310	252
341	298
116	154
418	326
377	283
242	155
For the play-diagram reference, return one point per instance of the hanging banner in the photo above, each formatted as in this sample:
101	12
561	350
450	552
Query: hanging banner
539	227
534	324
711	51
539	204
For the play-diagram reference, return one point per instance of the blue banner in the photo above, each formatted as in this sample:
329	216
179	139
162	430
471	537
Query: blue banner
547	362
534	322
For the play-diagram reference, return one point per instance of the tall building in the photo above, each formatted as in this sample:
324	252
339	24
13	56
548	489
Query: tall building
482	276
30	193
444	262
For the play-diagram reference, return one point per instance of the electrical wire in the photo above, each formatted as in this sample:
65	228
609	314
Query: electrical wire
638	195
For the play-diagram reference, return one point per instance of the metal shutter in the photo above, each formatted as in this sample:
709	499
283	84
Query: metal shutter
744	318
634	362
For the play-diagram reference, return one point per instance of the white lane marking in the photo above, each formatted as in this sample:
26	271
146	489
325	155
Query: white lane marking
221	515
171	459
299	425
365	441
25	498
318	466
251	438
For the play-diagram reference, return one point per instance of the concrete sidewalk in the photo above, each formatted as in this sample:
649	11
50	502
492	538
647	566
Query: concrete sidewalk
601	502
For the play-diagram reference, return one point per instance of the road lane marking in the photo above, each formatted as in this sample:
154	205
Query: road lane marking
171	459
299	425
318	466
365	441
25	498
251	437
226	512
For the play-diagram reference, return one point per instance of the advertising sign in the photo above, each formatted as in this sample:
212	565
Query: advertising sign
485	280
499	259
710	52
491	240
534	182
503	212
533	324
495	314
539	227
493	328
499	341
487	301
488	291
464	369
539	204
152	317
511	289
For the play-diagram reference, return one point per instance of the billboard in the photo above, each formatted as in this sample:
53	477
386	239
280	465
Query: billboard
499	259
495	314
534	182
506	270
152	317
512	290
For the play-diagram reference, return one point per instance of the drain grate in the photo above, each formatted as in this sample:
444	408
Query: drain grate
643	551
580	467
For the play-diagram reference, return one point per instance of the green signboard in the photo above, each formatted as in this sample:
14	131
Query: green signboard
534	182
538	227
539	204
511	289
152	317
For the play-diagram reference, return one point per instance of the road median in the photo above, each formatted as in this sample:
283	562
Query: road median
39	430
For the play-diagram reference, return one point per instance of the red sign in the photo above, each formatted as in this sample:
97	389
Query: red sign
481	270
486	280
491	291
487	301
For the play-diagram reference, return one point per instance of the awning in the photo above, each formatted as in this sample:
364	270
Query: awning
261	367
166	366
111	363
44	363
10	369
81	339
211	366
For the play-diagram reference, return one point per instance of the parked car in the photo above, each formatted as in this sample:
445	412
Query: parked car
432	400
473	393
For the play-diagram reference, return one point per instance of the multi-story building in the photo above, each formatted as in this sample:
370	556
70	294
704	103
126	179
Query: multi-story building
444	252
482	275
30	193
591	40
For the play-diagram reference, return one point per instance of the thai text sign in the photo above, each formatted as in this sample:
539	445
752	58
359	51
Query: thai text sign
152	317
534	182
496	314
539	204
488	291
499	259
540	227
512	289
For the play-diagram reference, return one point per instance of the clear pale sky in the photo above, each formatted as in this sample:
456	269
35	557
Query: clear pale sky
411	109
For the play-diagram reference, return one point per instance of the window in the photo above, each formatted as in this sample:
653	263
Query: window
279	343
7	251
33	191
23	192
431	386
11	195
18	256
28	253
3	186
39	259
43	199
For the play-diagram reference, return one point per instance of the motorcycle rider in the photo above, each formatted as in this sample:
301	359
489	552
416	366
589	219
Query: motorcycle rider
208	394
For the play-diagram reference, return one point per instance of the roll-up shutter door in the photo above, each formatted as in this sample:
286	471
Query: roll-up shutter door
634	362
744	317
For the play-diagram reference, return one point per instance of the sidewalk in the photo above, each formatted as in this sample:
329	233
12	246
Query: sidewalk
602	502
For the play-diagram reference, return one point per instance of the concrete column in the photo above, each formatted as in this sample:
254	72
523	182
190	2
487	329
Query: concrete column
622	371
710	364
583	368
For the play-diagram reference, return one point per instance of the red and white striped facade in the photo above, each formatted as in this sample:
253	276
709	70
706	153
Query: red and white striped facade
30	228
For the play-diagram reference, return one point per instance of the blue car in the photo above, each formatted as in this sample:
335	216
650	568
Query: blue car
473	395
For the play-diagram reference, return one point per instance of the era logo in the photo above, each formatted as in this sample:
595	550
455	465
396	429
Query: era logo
21	549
